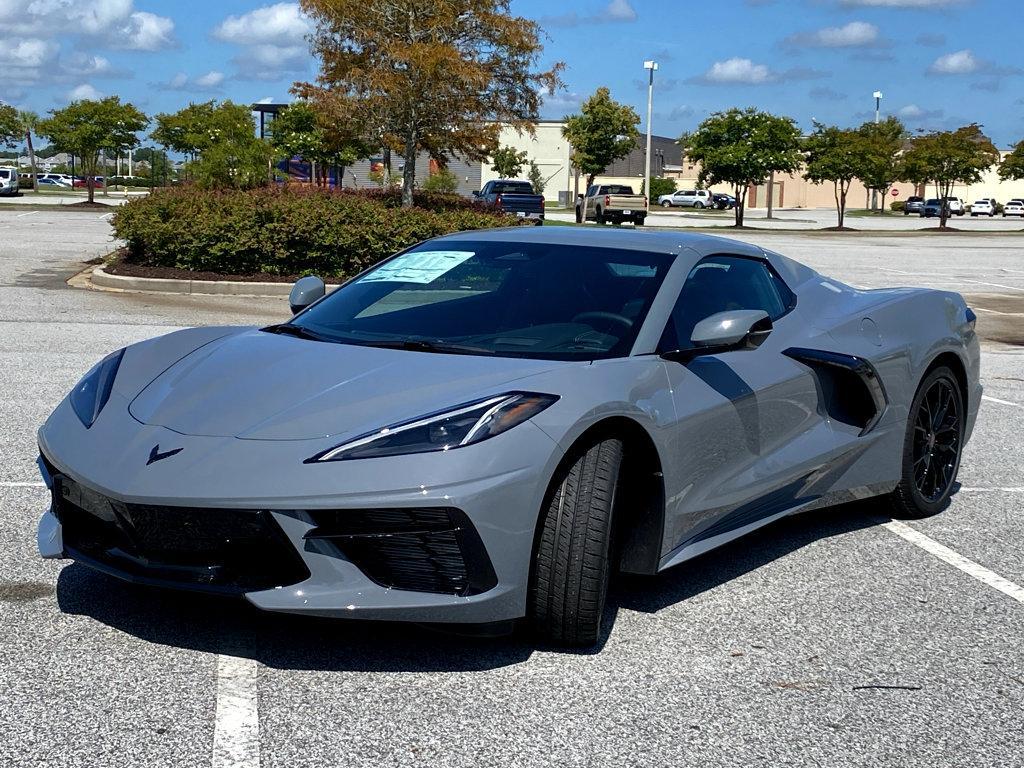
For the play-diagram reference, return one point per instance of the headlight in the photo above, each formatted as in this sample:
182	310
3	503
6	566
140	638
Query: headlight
91	394
459	426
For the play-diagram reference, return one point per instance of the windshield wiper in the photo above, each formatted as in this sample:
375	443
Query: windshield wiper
426	345
290	329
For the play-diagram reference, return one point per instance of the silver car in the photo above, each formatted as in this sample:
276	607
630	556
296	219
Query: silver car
491	425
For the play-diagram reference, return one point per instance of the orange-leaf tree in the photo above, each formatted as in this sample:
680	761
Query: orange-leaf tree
433	75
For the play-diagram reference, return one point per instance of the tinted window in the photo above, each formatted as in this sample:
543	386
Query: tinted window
721	283
533	300
513	187
616	189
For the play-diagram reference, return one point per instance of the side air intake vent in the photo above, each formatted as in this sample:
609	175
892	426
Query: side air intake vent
851	391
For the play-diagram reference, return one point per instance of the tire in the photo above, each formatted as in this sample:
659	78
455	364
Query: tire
639	221
666	204
571	562
929	468
579	215
698	204
599	216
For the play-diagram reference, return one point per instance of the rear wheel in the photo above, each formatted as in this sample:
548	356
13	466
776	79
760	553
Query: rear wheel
579	215
698	204
572	562
599	216
666	204
639	221
931	447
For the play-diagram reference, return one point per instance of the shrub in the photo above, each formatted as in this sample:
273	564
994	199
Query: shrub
335	234
661	186
441	180
898	205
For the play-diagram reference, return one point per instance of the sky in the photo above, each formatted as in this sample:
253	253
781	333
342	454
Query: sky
939	63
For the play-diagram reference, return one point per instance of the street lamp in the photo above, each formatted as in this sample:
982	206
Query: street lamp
878	107
650	66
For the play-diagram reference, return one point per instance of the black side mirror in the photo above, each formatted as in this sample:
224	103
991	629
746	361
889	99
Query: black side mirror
725	332
306	291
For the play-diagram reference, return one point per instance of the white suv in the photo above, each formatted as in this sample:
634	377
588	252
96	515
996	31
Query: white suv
983	207
1014	207
688	198
955	206
8	181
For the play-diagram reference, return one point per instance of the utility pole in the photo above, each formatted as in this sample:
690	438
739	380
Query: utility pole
650	66
878	107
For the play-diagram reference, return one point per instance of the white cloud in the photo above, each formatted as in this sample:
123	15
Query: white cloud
282	24
84	91
265	100
856	34
270	62
956	63
620	10
211	79
114	23
614	11
738	70
86	65
30	62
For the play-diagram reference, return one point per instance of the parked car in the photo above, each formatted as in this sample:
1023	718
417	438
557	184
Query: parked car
64	180
983	207
955	206
51	184
1014	207
687	199
931	207
9	183
491	425
723	201
515	197
615	203
913	205
81	182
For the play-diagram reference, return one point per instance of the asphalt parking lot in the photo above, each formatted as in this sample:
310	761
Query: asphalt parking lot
831	638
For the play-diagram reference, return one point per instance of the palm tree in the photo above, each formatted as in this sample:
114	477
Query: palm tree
29	121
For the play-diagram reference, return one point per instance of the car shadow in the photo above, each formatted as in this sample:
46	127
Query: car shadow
291	642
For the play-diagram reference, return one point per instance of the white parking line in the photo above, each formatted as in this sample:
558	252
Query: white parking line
21	484
983	489
27	214
967	566
1001	401
236	729
997	285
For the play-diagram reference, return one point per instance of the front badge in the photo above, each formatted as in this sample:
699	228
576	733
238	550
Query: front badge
155	455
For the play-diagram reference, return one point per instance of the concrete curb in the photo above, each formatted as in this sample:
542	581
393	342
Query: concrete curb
100	278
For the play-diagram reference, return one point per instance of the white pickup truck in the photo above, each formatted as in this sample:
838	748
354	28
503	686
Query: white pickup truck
616	203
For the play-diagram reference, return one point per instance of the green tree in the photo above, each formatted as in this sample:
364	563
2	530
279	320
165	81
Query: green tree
442	180
834	155
742	147
661	186
946	158
432	75
10	126
537	180
29	123
221	141
508	162
604	131
88	127
297	131
1012	166
881	148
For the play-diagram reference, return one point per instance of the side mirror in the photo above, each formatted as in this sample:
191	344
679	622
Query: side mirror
723	332
306	291
476	193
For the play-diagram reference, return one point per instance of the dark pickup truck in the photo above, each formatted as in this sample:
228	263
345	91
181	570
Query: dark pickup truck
515	197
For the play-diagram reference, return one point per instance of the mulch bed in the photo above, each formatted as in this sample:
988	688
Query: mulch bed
121	267
839	229
91	206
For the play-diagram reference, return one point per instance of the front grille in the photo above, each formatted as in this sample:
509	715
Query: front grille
428	549
218	549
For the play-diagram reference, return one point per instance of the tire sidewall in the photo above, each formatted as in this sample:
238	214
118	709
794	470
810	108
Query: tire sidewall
924	506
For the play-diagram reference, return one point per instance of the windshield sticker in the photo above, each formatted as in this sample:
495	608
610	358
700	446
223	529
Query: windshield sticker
417	267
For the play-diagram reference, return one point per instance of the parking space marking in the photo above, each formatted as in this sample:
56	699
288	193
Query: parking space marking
29	213
953	558
983	489
986	283
236	730
21	484
1001	401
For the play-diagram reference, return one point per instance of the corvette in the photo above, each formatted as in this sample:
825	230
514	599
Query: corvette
490	425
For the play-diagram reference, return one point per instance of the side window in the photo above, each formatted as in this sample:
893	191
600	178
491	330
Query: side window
592	191
720	283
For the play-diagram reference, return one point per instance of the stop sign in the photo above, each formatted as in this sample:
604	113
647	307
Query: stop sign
895	192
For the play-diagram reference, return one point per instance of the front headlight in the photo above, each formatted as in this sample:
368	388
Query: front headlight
459	426
91	394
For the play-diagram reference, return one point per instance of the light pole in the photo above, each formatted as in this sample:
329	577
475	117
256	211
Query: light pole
878	107
650	66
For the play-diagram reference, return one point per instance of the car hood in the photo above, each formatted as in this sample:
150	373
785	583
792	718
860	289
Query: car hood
259	385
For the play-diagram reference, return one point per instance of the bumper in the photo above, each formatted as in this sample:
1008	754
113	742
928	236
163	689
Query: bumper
353	557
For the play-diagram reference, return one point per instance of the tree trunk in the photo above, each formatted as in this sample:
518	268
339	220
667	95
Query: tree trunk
843	189
839	207
738	211
409	171
943	209
32	160
89	182
771	192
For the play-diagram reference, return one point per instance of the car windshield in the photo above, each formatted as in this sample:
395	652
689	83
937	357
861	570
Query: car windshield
508	299
932	202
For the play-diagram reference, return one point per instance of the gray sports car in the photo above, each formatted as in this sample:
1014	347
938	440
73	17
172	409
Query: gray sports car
489	425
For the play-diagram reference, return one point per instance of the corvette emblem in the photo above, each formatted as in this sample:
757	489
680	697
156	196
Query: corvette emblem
155	455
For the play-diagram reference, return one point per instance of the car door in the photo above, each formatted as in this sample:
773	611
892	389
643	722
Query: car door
749	433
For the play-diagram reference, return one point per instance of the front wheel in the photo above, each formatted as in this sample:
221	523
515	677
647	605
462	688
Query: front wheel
666	204
579	215
931	447
571	563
